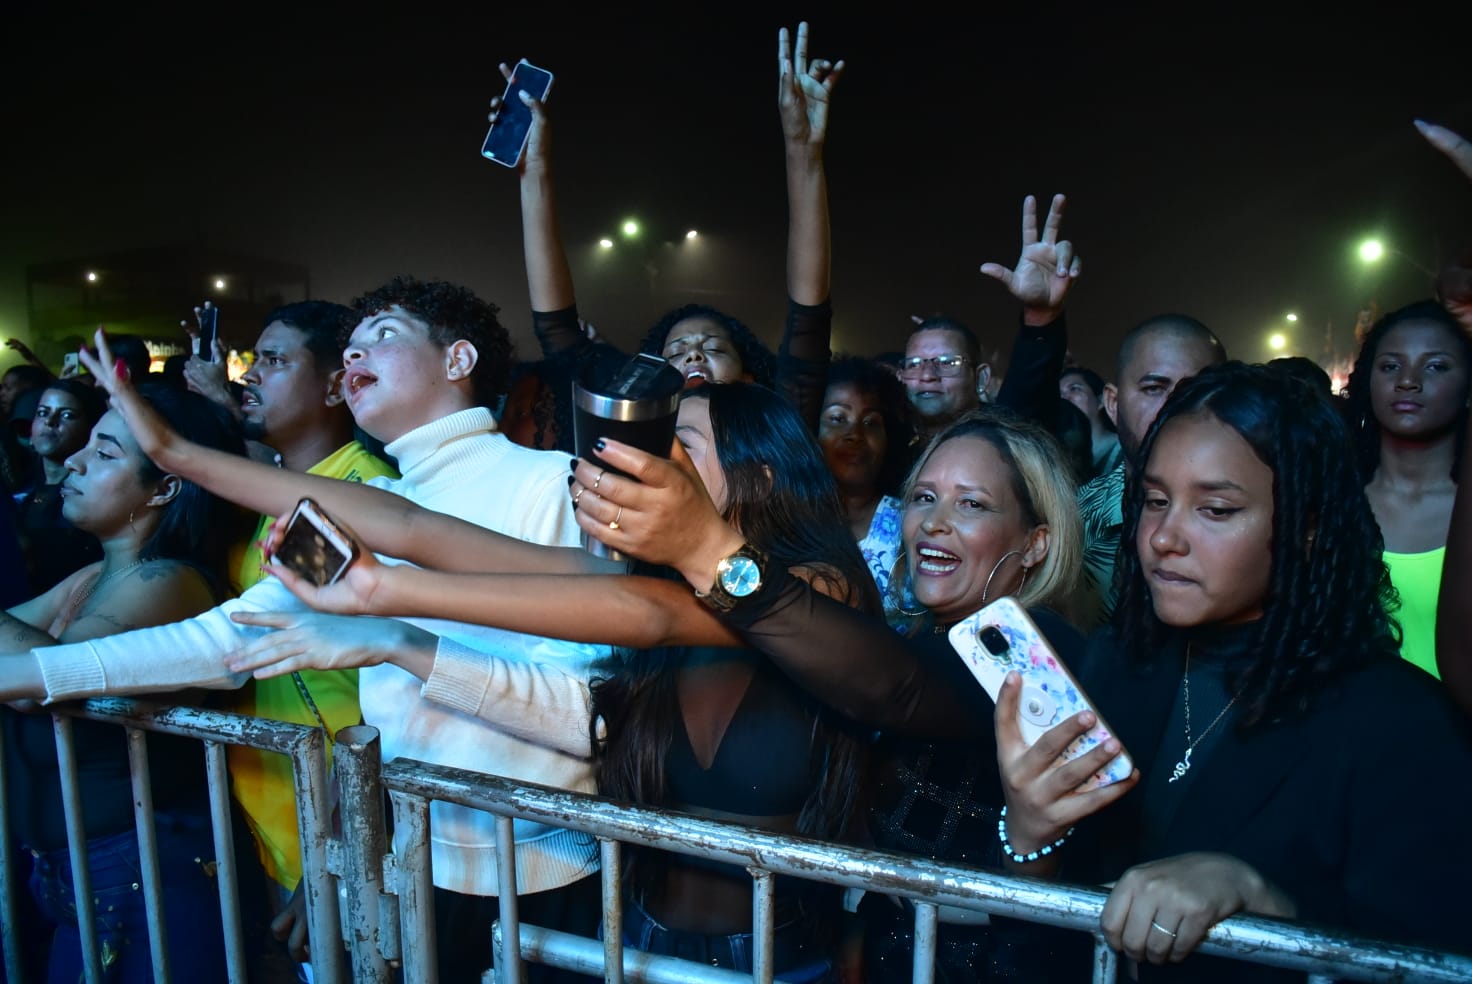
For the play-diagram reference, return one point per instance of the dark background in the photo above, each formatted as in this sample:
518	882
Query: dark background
1221	162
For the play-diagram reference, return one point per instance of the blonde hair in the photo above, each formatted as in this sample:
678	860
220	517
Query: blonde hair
1045	489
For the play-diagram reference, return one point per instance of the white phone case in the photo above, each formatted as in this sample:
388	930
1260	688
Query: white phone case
1049	692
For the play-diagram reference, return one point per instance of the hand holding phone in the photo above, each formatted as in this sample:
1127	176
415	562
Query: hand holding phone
313	547
508	134
204	343
1002	638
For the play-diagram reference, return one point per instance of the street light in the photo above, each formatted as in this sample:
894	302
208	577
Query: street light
91	276
1292	317
1372	250
691	234
605	243
630	228
1277	341
219	285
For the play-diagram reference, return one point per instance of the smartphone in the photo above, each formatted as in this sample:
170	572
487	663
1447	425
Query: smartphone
209	317
313	546
71	365
1001	638
507	136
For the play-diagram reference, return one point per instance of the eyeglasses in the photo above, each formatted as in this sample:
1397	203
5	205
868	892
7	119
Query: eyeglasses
946	366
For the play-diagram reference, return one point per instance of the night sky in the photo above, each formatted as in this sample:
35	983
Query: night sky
1226	168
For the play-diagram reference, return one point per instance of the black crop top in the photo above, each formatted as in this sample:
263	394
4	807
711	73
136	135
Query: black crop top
764	764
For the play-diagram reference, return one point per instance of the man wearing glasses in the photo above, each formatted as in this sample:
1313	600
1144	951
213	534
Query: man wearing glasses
942	368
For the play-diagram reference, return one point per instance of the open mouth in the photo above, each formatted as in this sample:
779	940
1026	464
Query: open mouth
249	400
696	376
934	561
354	381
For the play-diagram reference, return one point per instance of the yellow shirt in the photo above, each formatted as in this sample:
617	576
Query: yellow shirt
262	781
1417	578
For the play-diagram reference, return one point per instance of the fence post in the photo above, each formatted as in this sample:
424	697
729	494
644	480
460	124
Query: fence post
9	936
76	839
415	889
314	827
359	759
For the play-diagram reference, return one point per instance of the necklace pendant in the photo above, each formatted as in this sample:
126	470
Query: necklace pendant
1182	767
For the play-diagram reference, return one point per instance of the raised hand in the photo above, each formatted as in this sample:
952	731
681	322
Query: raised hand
352	594
538	150
1161	911
804	90
1043	798
1456	147
1045	270
153	435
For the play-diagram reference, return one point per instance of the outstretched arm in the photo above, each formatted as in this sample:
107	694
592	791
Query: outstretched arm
804	97
548	277
389	524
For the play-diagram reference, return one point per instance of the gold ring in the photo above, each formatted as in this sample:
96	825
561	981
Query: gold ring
614	525
578	495
598	479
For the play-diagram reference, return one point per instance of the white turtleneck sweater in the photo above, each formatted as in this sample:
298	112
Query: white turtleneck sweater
497	702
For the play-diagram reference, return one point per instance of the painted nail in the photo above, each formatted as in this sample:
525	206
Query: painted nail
600	444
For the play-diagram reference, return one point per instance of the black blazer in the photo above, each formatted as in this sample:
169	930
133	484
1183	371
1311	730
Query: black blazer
1359	810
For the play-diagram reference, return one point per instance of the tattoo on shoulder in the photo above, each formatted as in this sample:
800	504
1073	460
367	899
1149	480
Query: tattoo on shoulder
117	622
159	568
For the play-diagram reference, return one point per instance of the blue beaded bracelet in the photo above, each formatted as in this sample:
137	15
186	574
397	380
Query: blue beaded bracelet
1041	852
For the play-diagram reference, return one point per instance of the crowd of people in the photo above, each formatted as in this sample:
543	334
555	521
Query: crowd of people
1254	580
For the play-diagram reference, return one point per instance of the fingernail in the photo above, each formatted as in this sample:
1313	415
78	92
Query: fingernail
600	445
575	462
119	369
1086	719
570	480
526	97
1422	125
1111	746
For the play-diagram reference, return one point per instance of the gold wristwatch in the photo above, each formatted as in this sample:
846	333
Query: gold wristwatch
738	577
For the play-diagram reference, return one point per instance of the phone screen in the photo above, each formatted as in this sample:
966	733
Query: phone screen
508	134
306	550
208	319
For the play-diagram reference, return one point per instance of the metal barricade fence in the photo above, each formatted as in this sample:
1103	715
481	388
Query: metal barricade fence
412	785
306	748
389	897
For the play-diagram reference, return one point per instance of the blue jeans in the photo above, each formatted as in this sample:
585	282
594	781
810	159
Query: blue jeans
191	905
796	958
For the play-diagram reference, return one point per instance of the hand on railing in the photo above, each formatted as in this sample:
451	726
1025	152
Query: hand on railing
1161	911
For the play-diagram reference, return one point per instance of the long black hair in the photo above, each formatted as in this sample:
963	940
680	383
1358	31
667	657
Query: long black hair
756	359
782	498
196	527
1329	594
1361	412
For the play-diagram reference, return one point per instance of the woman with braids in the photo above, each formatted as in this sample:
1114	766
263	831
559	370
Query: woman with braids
1290	764
1408	398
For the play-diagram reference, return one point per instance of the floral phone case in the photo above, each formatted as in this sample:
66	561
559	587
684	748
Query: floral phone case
1001	638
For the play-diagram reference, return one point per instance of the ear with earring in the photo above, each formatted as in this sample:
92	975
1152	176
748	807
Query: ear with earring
898	588
986	588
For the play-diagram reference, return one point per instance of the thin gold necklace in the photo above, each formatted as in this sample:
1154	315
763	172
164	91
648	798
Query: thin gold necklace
81	599
1184	765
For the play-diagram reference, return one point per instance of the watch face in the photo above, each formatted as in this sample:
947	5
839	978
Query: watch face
741	577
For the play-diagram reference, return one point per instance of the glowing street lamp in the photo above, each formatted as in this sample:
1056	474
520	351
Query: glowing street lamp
91	276
605	243
691	234
1277	341
630	228
219	285
1292	317
1372	250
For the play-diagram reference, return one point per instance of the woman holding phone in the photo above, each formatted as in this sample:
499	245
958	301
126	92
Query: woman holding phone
1291	763
163	543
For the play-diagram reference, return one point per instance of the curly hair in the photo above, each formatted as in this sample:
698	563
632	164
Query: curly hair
1044	488
452	313
1365	427
1329	596
874	380
756	359
782	498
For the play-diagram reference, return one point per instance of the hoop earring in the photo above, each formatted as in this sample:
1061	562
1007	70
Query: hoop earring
130	520
896	589
986	588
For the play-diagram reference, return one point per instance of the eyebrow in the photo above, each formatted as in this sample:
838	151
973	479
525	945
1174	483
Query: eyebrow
1219	485
269	352
108	437
1424	355
1154	377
